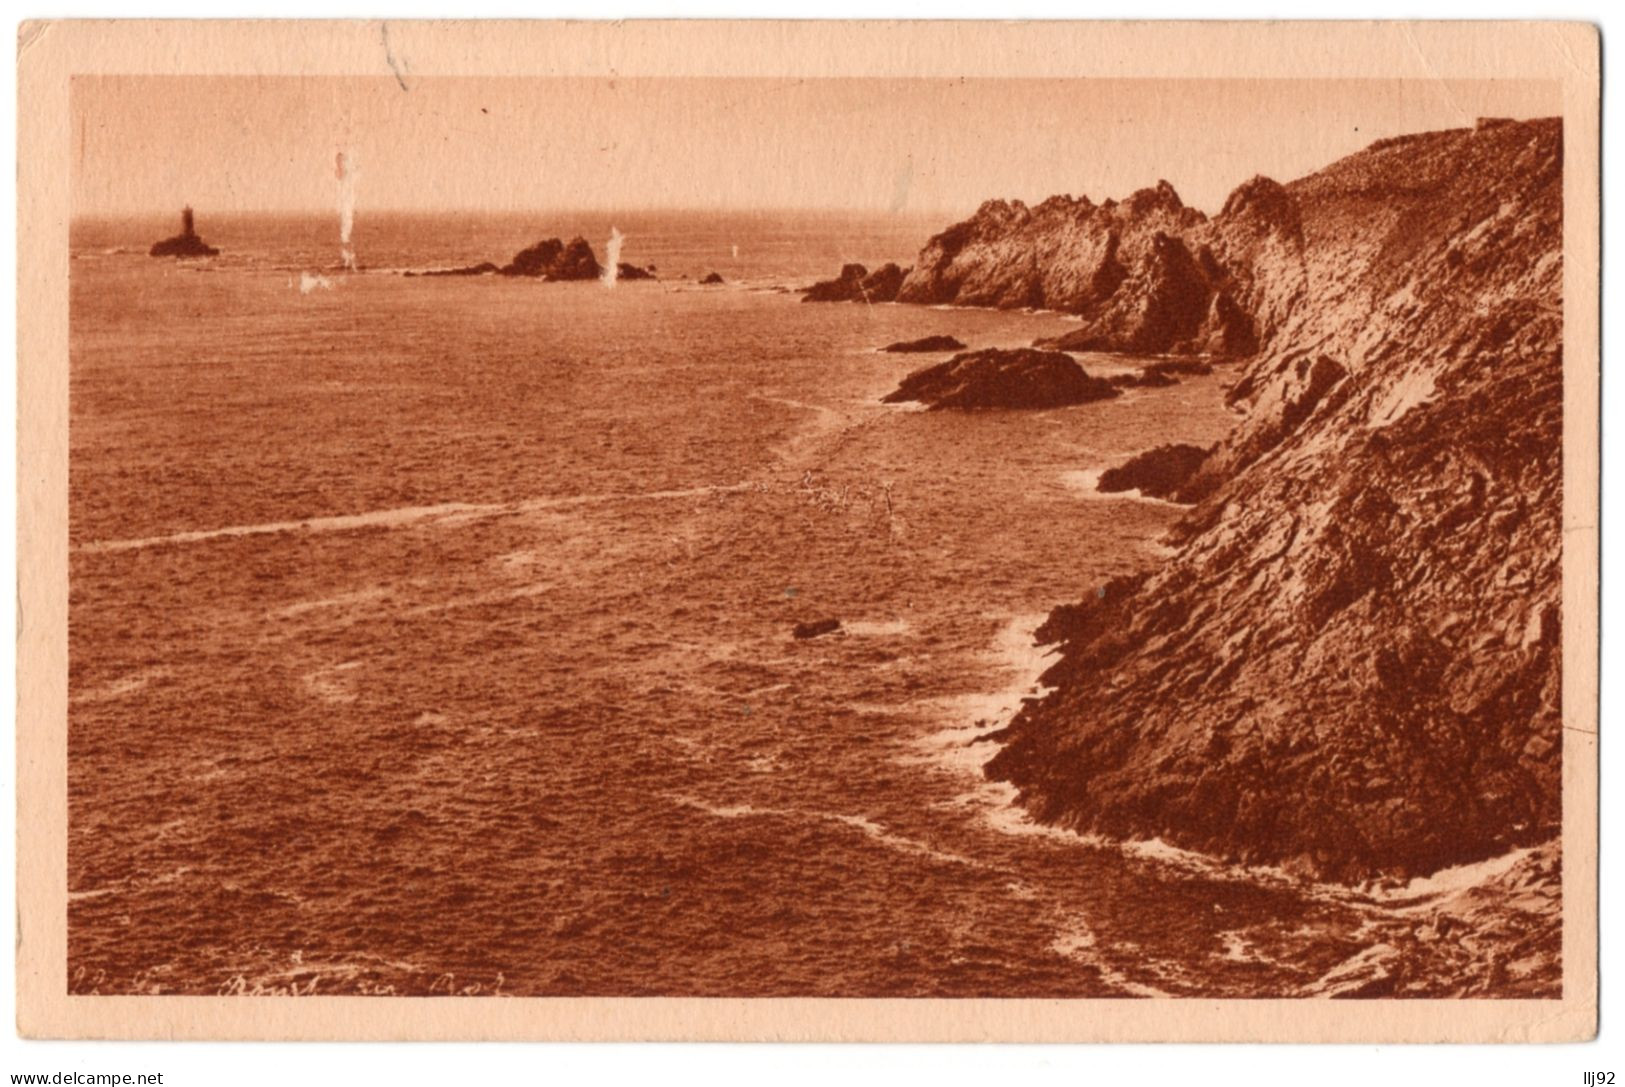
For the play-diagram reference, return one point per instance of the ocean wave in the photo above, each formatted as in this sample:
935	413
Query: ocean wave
446	514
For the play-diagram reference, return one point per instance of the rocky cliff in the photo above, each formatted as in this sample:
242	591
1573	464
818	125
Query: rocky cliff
1148	275
1142	273
1351	665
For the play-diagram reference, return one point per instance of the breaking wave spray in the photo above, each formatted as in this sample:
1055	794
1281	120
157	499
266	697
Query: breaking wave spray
612	256
345	170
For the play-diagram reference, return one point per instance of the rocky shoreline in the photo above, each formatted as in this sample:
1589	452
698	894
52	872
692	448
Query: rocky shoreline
1350	667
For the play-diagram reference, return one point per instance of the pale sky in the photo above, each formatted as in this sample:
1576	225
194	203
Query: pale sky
147	144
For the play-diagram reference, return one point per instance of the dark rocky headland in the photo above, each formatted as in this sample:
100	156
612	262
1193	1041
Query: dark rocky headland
1350	667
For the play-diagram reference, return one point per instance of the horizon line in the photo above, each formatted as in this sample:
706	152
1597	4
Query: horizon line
313	212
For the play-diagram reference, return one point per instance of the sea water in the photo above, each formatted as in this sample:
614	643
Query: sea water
433	635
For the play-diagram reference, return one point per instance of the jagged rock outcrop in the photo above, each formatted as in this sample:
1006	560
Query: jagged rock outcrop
857	284
1156	473
996	378
1158	308
186	243
843	288
549	259
924	344
882	284
1147	275
1064	254
554	260
1351	666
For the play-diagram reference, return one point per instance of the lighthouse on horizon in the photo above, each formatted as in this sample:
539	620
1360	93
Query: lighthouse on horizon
186	243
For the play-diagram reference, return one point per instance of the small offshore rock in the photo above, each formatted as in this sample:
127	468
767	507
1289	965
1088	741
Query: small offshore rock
186	243
927	343
816	628
999	378
552	259
1156	473
857	284
484	269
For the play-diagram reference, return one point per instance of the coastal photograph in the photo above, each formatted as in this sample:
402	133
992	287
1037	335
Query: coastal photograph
639	536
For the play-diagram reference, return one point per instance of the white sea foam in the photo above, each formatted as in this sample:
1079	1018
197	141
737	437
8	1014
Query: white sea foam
827	412
1076	940
869	828
1423	889
119	688
1004	815
345	168
879	628
1354	972
612	257
447	514
341	600
329	684
1015	655
972	716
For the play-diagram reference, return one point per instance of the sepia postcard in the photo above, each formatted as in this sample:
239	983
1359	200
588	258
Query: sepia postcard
808	531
